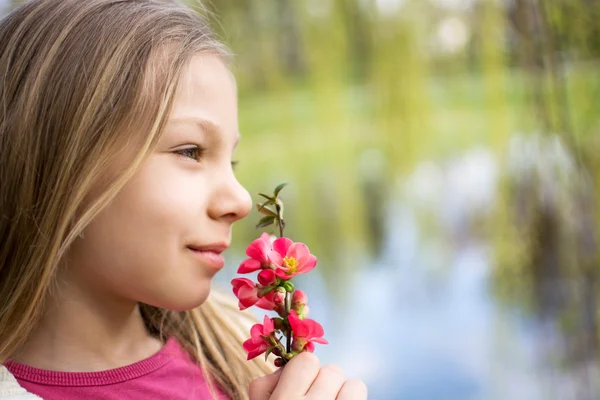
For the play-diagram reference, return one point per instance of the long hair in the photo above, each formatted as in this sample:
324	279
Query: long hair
79	80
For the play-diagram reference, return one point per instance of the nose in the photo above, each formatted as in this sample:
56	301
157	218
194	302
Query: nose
231	201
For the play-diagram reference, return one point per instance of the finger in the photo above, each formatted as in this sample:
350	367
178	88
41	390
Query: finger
330	380
262	388
353	389
297	376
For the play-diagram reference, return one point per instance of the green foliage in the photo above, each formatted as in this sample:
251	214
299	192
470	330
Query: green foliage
323	84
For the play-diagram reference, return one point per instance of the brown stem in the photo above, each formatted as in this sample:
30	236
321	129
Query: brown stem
288	298
288	306
279	220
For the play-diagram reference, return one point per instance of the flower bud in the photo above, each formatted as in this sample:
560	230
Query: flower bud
299	297
279	362
299	300
277	351
288	286
246	291
267	277
279	296
302	311
298	344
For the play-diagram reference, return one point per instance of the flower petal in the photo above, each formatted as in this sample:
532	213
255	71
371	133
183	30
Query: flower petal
248	345
275	258
315	329
308	265
256	331
280	272
259	248
299	251
250	265
281	245
265	303
266	238
311	262
247	296
268	326
257	350
238	283
298	326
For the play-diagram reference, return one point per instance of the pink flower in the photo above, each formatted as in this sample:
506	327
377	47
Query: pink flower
306	333
291	258
267	277
274	300
299	300
299	297
259	341
258	252
246	291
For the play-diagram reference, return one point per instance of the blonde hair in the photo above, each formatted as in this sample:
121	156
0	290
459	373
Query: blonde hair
78	81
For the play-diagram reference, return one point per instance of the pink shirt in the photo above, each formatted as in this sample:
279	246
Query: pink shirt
168	374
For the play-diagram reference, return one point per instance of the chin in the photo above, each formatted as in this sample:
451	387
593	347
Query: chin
185	300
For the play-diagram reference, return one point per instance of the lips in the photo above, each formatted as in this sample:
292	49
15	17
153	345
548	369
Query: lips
210	255
214	248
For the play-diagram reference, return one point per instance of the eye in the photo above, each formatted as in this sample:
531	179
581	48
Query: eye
194	152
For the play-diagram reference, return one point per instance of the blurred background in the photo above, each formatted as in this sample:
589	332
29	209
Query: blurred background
443	161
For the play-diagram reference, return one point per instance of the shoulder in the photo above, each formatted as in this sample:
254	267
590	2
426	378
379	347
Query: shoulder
10	388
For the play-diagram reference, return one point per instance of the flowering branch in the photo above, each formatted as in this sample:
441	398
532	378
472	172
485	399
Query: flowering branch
277	261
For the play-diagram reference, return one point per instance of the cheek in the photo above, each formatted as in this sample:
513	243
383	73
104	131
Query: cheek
155	210
136	246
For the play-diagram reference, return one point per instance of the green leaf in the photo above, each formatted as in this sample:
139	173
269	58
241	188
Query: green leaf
278	189
269	351
266	221
271	199
266	211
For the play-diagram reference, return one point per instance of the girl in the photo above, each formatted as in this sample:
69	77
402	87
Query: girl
118	120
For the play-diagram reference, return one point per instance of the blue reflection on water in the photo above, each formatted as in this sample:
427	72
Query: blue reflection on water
420	322
414	333
407	332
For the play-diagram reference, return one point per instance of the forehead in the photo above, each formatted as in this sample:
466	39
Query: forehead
206	89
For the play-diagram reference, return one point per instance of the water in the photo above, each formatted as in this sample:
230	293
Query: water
420	321
412	332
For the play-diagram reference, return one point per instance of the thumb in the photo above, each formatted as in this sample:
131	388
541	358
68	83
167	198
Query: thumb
262	388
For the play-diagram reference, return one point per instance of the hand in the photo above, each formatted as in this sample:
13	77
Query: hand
304	378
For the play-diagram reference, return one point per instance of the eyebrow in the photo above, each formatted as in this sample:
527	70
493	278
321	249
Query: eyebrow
205	124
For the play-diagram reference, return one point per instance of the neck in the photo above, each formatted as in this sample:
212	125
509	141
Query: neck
88	332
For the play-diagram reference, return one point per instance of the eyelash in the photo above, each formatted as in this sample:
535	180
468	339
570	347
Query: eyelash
198	153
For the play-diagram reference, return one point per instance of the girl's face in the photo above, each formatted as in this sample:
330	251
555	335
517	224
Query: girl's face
185	197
